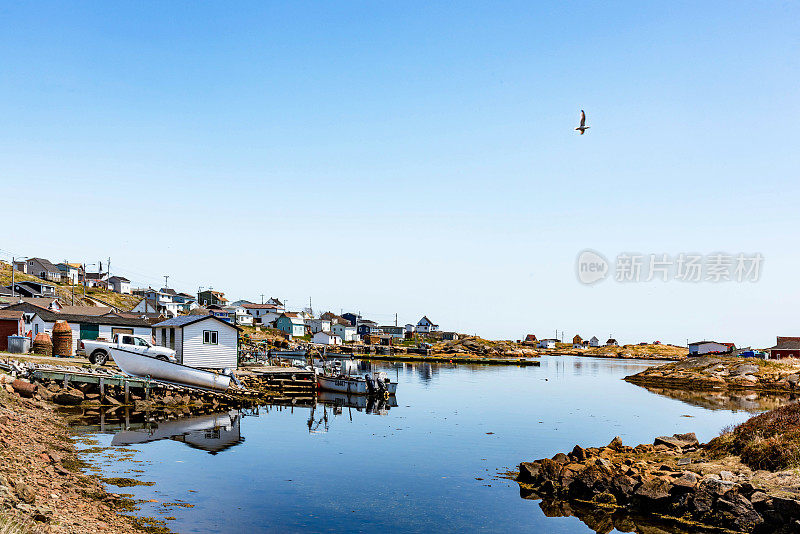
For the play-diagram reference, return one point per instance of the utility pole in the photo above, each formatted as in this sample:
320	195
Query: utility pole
166	279
262	298
395	318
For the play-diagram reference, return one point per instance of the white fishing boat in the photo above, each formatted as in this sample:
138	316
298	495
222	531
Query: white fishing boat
135	364
377	384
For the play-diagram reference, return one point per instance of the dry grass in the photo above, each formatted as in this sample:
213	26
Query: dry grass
769	441
65	291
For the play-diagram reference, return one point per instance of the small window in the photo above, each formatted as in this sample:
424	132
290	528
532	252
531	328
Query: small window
210	337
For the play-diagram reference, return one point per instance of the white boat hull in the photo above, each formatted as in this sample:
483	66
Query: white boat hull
135	364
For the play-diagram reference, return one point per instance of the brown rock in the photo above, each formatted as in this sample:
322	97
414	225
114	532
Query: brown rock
561	458
68	397
687	480
579	453
616	444
529	471
653	490
676	441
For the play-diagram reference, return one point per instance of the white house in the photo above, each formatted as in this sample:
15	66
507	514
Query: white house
410	328
239	315
70	272
346	333
161	301
611	342
547	343
319	325
144	306
200	340
120	284
263	313
326	338
594	342
426	326
706	347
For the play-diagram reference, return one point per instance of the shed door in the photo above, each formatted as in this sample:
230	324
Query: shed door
90	331
115	331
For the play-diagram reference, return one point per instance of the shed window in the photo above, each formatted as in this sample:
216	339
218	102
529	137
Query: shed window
210	337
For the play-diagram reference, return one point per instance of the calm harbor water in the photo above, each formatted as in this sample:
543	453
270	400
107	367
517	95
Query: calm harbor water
427	464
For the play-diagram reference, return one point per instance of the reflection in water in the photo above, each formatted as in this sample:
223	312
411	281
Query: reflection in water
213	433
600	519
746	400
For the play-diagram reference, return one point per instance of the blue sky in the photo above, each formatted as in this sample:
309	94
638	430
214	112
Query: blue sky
414	158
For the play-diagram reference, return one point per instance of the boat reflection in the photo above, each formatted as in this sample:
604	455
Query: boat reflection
213	433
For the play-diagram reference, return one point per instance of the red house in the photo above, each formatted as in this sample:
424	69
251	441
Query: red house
11	324
786	347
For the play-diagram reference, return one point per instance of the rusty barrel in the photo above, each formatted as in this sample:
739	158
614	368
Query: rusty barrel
42	344
62	339
25	389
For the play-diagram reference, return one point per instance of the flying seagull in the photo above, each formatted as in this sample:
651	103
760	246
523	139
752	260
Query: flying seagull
582	128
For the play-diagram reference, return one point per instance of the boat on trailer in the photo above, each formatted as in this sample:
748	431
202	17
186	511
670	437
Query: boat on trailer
376	384
135	364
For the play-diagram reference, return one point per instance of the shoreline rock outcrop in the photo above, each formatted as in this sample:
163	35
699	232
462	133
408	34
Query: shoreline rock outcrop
723	372
675	479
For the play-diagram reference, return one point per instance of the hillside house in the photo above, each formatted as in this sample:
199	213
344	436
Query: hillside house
70	272
200	341
547	344
326	338
33	289
531	338
785	347
97	279
262	313
365	327
40	268
277	303
319	325
611	342
11	324
157	302
709	347
334	319
239	315
410	329
352	318
394	331
594	342
345	332
450	336
119	284
210	297
577	342
426	326
220	313
291	324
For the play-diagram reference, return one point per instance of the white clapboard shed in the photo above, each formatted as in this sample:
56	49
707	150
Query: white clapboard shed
201	341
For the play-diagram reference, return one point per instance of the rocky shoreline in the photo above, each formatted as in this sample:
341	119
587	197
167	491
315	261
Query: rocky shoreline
42	486
718	372
673	480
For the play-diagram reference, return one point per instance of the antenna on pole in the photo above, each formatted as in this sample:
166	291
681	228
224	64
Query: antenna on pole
166	279
262	298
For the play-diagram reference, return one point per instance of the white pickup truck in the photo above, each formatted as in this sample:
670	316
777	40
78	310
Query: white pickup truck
97	351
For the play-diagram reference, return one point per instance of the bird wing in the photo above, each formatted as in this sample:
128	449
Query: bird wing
583	119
